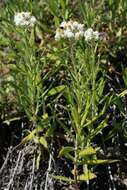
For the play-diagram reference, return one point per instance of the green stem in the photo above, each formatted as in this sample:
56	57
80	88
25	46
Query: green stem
75	164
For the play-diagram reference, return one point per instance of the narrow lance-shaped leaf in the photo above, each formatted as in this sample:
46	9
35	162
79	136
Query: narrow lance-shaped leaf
38	160
101	126
86	176
43	142
56	90
86	111
87	151
65	151
62	178
96	162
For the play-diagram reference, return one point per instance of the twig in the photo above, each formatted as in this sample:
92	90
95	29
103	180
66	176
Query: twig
111	178
32	177
6	160
48	171
21	163
13	175
25	188
48	180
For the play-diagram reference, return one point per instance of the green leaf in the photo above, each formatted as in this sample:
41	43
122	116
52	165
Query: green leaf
101	126
125	76
101	87
86	111
65	150
49	131
75	117
36	139
86	176
43	141
4	41
45	116
124	93
87	151
32	38
38	160
69	156
56	90
107	101
62	178
28	137
96	162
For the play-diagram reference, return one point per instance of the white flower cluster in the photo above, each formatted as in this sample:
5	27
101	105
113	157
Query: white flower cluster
24	19
70	30
89	34
74	30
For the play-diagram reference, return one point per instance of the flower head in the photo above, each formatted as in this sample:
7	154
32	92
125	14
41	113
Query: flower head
59	34
68	34
24	19
79	35
89	34
96	35
74	30
63	24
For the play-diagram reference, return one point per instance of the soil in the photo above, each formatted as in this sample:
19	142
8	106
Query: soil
18	166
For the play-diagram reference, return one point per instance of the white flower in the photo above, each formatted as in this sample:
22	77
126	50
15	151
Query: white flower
63	24
68	34
24	19
32	21
69	25
80	27
59	34
96	35
75	24
79	35
88	34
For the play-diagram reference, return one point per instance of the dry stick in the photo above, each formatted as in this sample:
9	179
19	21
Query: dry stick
6	160
25	188
111	178
13	175
32	178
108	169
42	184
21	164
48	171
36	187
48	178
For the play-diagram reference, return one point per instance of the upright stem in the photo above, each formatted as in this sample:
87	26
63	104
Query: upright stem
86	168
75	164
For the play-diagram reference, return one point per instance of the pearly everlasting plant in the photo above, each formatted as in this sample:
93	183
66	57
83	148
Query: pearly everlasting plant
24	19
